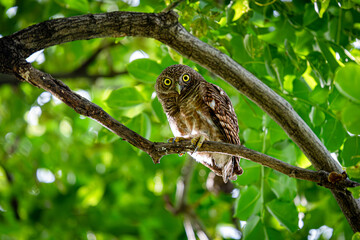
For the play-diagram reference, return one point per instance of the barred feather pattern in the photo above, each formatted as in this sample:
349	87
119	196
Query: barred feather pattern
198	108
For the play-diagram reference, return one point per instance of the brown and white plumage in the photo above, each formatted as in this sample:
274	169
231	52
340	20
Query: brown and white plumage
194	108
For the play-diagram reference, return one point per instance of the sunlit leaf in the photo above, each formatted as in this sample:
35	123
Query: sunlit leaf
324	5
240	7
7	3
91	194
347	83
356	236
351	118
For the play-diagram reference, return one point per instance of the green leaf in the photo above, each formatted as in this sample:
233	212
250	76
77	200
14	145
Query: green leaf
105	136
285	212
333	134
124	97
324	5
158	110
141	124
287	153
275	132
356	236
145	70
317	117
81	5
319	95
284	187
337	100
252	45
92	193
239	53
353	171
248	203
330	58
347	83
253	139
351	118
240	7
7	3
310	15
319	66
251	173
300	88
351	151
254	229
282	31
291	53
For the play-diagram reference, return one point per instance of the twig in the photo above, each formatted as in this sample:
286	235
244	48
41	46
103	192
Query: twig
172	5
157	150
14	49
192	224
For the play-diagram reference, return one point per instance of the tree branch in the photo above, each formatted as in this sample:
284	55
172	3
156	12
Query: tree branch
165	28
172	5
157	150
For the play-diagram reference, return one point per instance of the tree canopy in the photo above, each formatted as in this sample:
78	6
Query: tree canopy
63	174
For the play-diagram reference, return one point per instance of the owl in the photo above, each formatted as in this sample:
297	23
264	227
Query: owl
199	110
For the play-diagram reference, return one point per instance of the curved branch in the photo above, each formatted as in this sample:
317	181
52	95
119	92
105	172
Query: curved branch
157	150
165	28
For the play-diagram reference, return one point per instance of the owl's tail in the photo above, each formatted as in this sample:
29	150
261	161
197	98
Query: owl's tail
237	169
232	169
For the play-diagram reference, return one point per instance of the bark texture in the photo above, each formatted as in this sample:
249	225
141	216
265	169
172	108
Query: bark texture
14	49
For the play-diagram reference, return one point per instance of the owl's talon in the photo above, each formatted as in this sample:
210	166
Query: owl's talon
197	142
176	139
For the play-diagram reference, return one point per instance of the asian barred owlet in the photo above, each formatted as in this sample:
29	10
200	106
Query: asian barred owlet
197	109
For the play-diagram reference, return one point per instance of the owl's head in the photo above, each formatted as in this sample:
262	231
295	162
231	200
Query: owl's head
176	79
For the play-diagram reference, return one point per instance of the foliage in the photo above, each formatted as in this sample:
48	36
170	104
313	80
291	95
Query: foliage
65	175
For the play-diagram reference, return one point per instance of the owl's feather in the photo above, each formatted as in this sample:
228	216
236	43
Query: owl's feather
200	109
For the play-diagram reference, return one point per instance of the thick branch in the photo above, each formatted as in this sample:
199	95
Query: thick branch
166	28
157	150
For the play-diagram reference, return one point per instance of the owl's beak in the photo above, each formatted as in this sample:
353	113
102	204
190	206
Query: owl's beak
178	88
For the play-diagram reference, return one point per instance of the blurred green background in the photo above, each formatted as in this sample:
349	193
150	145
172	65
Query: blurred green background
64	176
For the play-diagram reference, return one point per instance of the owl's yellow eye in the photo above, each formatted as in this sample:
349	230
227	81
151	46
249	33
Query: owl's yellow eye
185	77
167	82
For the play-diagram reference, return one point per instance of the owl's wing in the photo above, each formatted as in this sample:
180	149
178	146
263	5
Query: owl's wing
223	113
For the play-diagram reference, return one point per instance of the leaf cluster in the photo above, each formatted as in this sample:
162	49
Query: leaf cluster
64	175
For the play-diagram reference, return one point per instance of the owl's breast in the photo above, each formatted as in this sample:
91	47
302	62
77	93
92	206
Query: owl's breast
192	120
